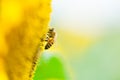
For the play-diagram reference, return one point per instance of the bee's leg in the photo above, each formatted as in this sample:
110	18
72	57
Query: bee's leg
42	39
47	38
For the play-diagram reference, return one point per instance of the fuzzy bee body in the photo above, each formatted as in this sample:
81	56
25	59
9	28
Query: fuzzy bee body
50	38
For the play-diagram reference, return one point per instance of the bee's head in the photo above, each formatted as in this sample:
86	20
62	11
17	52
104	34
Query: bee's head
51	29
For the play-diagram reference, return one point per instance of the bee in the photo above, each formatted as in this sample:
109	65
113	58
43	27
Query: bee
50	38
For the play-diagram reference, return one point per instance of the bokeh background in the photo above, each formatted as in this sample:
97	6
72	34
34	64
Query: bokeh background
88	41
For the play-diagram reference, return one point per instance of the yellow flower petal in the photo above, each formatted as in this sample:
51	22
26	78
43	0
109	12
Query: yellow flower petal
22	24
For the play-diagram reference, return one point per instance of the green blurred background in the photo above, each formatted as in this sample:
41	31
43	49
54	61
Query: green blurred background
88	41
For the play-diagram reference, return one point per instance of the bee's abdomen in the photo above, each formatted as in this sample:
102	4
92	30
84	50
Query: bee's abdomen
48	45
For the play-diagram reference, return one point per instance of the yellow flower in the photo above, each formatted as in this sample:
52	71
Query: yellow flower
22	25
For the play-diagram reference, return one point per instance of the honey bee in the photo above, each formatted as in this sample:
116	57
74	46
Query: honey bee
50	38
